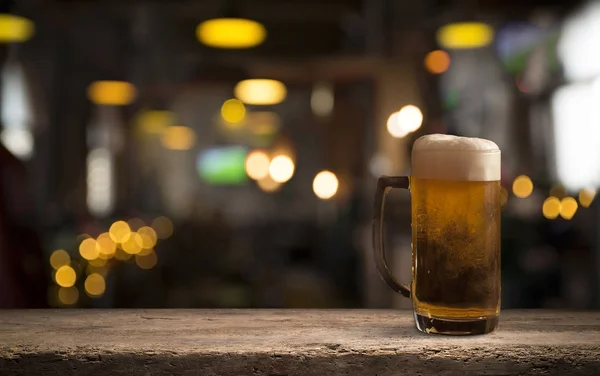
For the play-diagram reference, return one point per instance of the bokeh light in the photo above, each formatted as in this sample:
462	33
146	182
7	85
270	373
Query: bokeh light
267	184
257	165
178	137
322	99
65	276
88	249
586	197
115	93
132	245
163	227
410	118
59	258
147	237
154	121
18	141
15	29
106	246
260	91
68	295
95	285
147	261
568	207
465	35
394	128
100	182
325	185
380	164
437	61
119	231
405	121
281	168
231	33
551	207
233	111
522	186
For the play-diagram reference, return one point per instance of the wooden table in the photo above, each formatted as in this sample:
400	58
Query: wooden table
289	342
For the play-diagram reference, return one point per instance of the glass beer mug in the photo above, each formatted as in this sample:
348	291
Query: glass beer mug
455	193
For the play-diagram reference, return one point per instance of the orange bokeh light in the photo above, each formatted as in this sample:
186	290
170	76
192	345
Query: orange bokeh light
437	61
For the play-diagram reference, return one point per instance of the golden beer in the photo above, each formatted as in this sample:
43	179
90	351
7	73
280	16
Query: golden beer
455	189
456	248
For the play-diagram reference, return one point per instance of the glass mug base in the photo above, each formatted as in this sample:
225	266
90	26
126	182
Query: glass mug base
464	327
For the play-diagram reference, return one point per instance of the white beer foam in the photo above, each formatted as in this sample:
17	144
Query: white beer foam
446	157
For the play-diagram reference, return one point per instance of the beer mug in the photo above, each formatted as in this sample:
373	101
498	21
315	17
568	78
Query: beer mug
455	194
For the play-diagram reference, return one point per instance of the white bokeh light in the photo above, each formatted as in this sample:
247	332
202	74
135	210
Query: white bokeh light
325	185
281	168
405	121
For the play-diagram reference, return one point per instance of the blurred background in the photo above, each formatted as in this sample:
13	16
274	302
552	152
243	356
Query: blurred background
196	153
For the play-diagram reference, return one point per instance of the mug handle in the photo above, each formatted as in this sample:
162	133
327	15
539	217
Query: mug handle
384	185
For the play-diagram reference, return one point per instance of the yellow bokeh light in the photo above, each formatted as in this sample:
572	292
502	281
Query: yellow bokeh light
325	185
88	249
163	227
154	121
15	29
267	184
568	207
178	137
260	91
112	93
147	261
231	33
119	231
95	285
59	258
465	35
132	245
257	165
586	196
522	186
106	246
437	61
121	255
551	207
65	276
281	168
68	295
147	237
233	111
